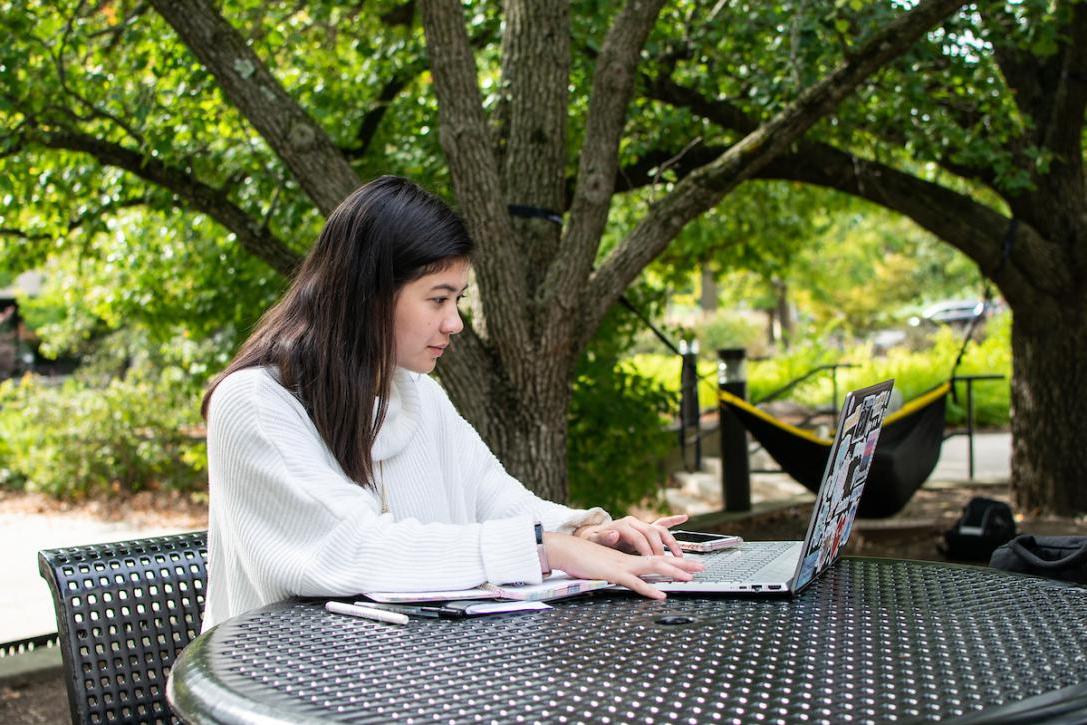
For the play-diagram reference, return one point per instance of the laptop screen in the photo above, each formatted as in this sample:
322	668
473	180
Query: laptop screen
839	495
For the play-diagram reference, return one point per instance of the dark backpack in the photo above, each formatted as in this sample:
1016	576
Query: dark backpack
1056	557
984	525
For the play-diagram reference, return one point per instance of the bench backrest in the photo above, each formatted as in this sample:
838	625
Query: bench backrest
124	612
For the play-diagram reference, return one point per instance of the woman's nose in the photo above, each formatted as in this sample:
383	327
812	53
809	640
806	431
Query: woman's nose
452	324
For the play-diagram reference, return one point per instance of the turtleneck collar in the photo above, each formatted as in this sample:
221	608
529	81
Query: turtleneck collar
401	416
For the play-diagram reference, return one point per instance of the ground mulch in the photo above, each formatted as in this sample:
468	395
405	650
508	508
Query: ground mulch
146	509
33	699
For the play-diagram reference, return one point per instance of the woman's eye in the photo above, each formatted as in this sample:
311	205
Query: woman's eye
439	300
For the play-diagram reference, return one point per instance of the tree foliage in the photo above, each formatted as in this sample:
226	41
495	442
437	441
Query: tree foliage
240	124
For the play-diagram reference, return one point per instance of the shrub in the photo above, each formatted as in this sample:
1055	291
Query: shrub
9	477
74	439
616	437
725	328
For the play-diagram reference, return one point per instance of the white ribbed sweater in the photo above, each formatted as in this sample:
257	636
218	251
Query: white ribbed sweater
285	521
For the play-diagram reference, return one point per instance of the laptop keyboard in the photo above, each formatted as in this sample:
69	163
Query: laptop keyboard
740	564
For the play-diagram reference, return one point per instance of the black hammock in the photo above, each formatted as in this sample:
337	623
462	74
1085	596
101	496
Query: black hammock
909	446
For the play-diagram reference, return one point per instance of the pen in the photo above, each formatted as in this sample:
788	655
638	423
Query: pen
366	613
417	611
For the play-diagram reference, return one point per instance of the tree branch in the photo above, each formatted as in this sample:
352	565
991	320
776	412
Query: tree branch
613	85
320	168
1017	64
975	229
371	120
701	190
400	15
647	170
1051	92
23	234
113	34
468	148
728	115
251	234
536	73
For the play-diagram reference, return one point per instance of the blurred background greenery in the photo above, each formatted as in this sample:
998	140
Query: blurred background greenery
145	291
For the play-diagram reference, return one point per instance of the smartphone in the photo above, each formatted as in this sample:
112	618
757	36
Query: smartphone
699	542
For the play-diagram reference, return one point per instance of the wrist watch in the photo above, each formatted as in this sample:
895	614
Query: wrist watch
545	566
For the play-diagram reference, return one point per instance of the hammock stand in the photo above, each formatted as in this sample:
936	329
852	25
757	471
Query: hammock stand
909	443
909	447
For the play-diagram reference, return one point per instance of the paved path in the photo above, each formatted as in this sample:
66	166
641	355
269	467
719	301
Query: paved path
26	606
992	458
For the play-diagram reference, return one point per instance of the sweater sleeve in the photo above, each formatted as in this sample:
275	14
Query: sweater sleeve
497	494
295	525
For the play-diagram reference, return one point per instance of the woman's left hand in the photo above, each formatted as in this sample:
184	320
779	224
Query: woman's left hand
636	536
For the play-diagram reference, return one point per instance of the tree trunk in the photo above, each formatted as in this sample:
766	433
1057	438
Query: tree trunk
534	439
708	296
1049	420
784	314
525	427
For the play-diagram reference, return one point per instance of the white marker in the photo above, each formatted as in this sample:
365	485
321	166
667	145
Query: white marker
354	610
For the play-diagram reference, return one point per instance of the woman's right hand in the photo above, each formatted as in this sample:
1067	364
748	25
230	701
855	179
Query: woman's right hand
586	560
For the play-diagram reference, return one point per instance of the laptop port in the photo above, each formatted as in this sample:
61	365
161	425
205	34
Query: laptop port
756	587
774	586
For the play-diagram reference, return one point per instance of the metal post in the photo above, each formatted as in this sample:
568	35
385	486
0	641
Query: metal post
834	399
683	400
970	427
735	469
689	411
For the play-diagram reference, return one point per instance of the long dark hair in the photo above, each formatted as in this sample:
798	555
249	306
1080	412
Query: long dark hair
331	335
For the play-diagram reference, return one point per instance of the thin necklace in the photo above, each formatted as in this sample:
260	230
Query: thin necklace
381	485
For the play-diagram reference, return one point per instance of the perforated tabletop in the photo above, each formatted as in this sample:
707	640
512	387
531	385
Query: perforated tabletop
872	641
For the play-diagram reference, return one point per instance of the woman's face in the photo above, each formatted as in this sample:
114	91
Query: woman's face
426	316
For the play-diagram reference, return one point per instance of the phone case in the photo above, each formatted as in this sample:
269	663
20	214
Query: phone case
703	547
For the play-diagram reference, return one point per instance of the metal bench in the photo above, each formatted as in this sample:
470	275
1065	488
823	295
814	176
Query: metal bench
124	612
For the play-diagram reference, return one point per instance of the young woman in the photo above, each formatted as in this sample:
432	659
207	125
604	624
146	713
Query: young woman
337	466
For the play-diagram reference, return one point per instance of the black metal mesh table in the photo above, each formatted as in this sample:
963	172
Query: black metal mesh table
872	641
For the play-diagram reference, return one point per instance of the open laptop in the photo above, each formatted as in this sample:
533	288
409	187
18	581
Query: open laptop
789	566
